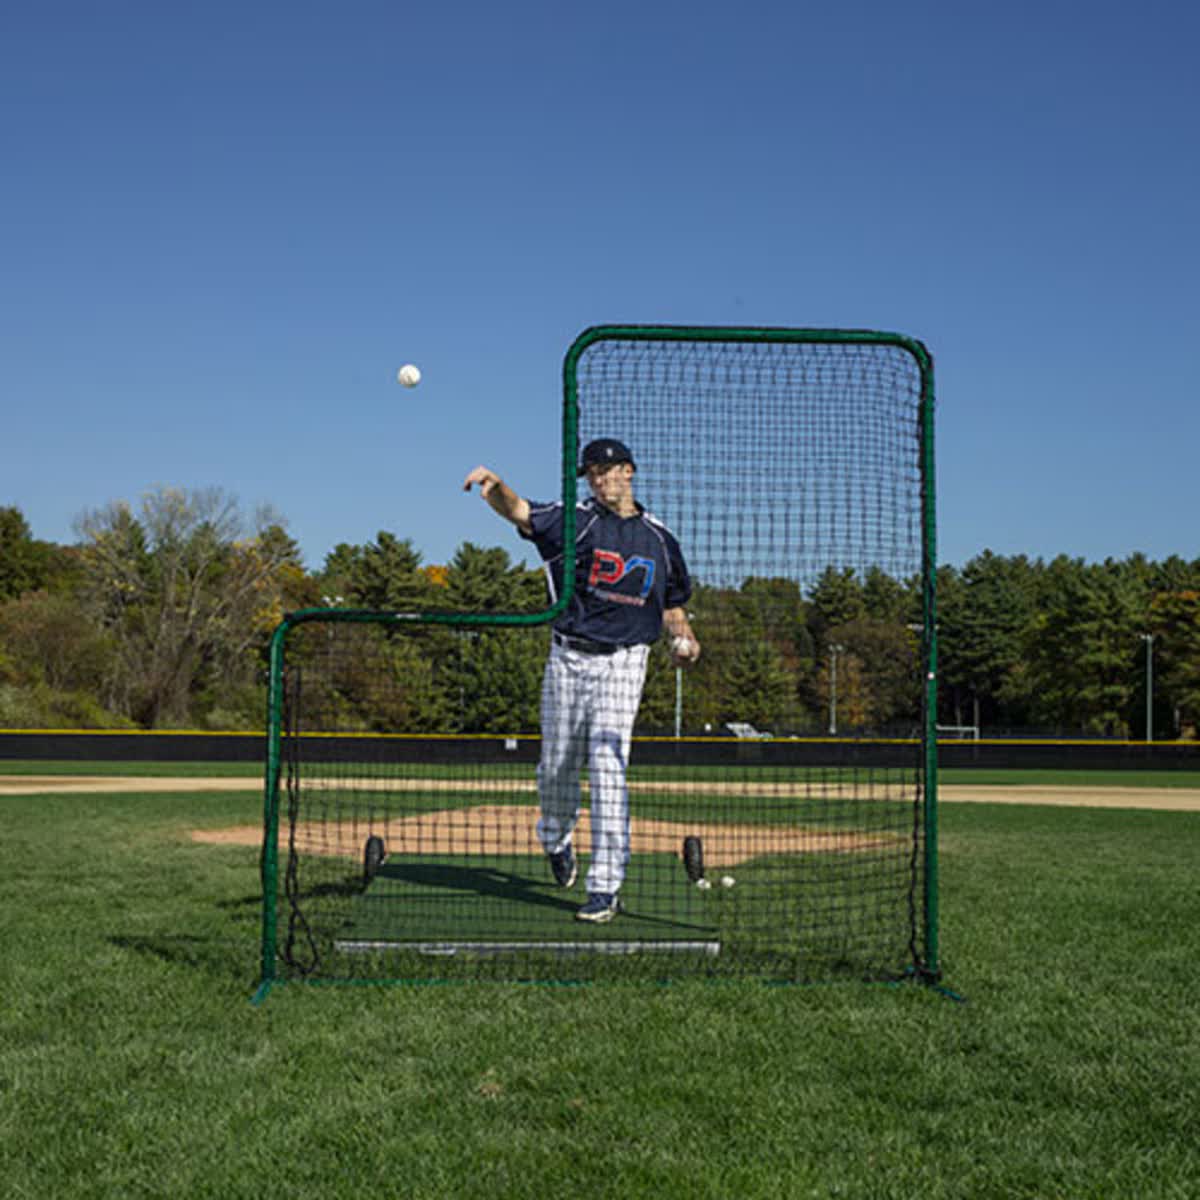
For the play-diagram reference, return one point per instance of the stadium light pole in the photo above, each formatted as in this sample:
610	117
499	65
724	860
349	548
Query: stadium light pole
1148	638
834	651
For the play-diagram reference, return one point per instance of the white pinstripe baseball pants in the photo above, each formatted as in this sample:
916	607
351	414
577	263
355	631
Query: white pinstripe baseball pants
589	704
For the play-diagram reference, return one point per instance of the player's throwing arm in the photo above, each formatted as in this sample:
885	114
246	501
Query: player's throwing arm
500	496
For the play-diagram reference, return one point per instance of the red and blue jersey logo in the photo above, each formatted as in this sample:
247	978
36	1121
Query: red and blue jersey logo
610	568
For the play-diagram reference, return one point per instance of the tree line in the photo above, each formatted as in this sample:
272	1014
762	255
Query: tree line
161	617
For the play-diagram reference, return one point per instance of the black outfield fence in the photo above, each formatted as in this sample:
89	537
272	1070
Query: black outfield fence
250	748
1064	754
132	745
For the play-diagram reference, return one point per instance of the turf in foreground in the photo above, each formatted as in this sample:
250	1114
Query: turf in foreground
132	1064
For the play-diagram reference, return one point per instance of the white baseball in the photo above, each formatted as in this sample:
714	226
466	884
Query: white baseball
727	881
408	375
682	647
703	884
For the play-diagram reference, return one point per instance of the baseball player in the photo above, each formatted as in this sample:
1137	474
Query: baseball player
631	581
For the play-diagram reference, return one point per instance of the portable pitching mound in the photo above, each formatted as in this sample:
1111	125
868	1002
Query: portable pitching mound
474	881
795	468
416	876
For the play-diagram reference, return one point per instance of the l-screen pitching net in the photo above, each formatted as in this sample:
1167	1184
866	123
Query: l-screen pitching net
761	813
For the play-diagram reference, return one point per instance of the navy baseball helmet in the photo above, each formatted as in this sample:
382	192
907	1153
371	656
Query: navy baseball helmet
603	452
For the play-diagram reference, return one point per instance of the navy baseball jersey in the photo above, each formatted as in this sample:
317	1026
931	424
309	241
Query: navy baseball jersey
627	571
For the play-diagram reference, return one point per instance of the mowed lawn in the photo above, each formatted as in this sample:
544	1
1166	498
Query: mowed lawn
133	1064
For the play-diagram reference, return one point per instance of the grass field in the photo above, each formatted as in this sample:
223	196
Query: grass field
1048	777
133	1064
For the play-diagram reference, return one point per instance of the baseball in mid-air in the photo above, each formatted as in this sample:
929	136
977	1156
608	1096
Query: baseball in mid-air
408	375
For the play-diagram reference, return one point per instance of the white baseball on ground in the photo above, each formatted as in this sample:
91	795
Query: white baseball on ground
408	375
703	884
727	881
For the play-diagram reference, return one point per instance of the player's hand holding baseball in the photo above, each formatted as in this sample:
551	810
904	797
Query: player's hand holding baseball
684	651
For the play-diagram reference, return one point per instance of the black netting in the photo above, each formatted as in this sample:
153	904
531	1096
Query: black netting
433	768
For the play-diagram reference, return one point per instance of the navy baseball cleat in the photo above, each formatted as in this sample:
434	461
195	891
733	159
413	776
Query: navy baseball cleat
562	865
600	906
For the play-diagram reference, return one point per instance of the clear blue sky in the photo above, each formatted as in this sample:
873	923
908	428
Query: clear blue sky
225	225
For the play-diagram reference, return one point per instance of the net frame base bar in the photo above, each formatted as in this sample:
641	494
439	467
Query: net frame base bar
450	949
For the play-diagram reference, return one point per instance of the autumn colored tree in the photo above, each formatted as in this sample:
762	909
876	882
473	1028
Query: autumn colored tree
184	589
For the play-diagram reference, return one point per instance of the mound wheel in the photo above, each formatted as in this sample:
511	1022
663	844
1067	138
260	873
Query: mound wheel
693	858
374	852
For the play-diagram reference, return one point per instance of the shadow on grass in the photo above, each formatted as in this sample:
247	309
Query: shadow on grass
483	881
443	880
216	956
